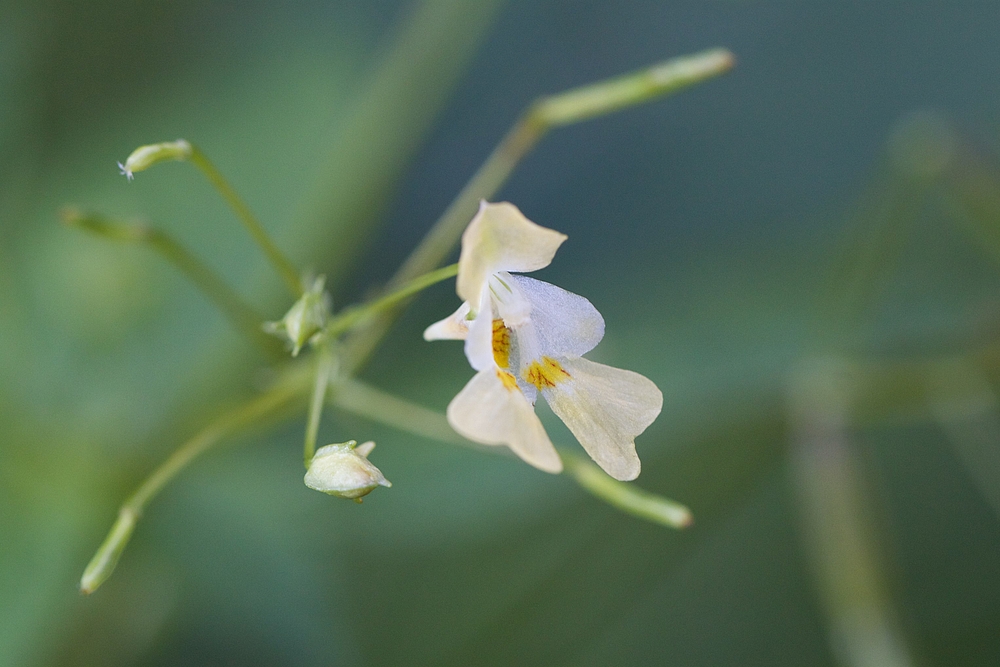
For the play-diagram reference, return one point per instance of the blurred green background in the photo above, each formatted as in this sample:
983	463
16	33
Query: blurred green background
837	195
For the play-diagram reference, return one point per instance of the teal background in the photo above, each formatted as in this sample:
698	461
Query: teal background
710	229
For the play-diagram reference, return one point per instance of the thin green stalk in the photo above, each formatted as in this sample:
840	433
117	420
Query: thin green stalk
351	317
364	400
546	113
625	496
106	558
282	265
243	317
324	371
848	561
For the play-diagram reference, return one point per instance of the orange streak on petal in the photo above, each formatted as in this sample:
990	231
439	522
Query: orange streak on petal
501	344
545	373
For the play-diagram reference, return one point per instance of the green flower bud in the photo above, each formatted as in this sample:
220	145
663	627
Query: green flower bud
305	320
344	470
145	157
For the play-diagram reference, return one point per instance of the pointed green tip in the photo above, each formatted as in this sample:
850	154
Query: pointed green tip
630	499
104	561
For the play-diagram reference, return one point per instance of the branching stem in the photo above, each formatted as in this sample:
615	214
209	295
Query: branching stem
104	561
243	317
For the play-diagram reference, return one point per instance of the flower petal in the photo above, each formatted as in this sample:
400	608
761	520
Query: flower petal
563	324
494	412
479	342
511	303
605	408
453	327
500	238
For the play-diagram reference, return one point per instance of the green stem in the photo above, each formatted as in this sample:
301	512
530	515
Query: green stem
243	317
103	563
550	112
366	401
839	537
282	265
626	497
546	113
324	371
351	317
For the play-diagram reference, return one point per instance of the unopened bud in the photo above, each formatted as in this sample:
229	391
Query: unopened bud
344	470
305	320
145	157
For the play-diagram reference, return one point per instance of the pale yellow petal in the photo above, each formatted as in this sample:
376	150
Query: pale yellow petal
500	238
494	412
453	327
605	408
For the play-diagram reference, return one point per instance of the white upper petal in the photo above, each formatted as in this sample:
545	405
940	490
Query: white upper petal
562	324
510	302
453	327
606	408
489	412
500	238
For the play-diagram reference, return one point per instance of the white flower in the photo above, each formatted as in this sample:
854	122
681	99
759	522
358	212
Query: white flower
526	337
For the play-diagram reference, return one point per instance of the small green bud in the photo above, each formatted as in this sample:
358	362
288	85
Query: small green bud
304	321
343	470
104	561
145	157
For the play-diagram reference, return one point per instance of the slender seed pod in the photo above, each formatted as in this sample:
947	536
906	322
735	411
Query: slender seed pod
145	157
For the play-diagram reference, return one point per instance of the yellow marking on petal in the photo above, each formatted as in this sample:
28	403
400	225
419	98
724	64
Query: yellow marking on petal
508	380
545	373
501	344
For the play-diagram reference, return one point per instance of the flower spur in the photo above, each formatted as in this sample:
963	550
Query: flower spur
526	337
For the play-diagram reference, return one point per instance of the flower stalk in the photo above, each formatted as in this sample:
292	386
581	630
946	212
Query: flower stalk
106	558
626	497
544	114
324	372
281	264
352	317
243	317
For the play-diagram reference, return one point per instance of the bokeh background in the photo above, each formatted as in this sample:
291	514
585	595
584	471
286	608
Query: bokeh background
835	197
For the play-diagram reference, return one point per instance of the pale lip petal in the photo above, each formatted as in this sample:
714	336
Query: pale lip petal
453	327
562	324
606	408
488	412
500	238
479	341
